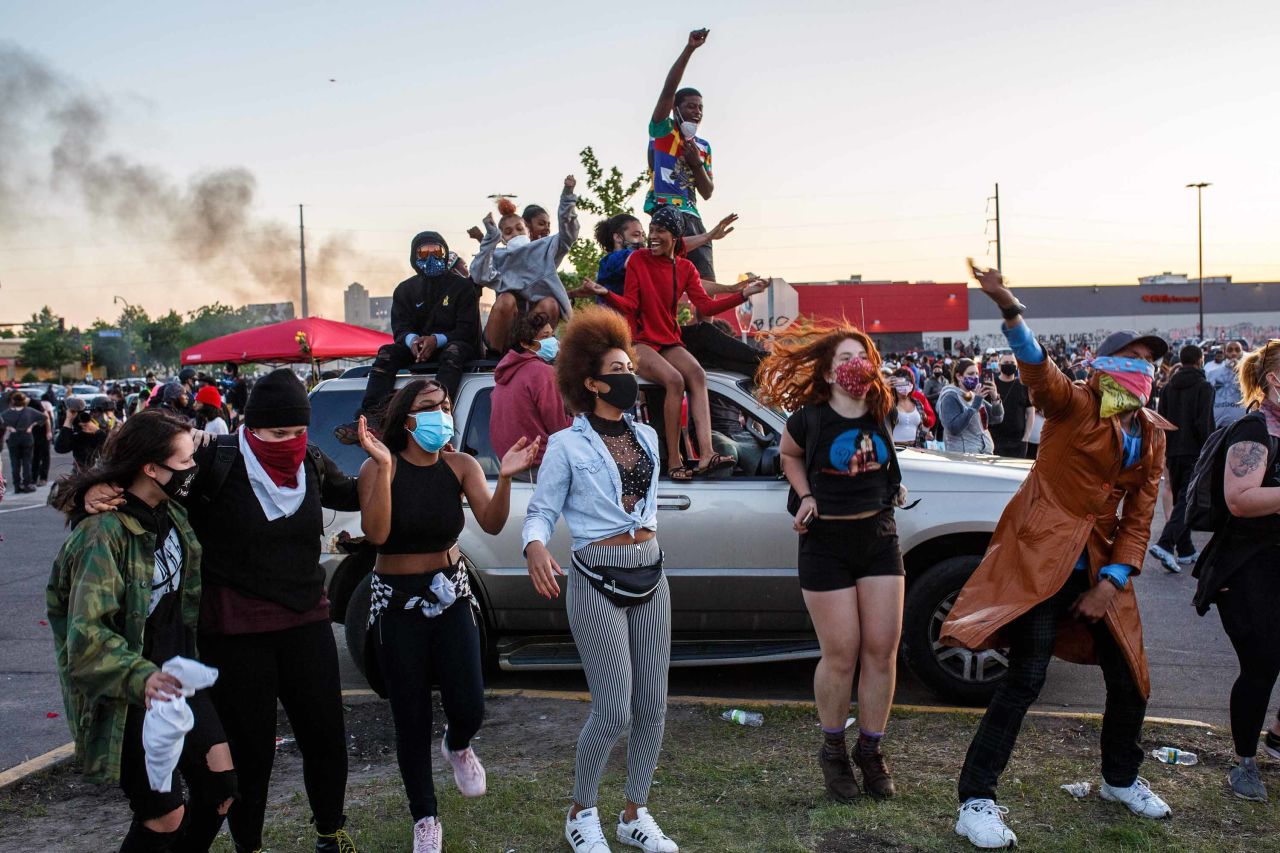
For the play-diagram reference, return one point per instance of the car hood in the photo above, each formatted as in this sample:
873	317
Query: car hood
935	470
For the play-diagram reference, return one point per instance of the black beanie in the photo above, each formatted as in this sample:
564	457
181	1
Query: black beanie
277	400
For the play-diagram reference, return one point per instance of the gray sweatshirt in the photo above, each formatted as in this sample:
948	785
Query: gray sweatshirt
962	425
529	270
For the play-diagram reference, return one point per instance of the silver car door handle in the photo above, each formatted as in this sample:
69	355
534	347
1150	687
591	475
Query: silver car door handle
674	502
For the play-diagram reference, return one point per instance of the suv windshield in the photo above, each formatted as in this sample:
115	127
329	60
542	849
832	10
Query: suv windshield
329	410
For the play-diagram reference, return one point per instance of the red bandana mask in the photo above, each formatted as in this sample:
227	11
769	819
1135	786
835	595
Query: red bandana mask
855	376
280	459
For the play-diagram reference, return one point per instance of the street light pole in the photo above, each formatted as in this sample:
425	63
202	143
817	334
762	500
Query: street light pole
1200	246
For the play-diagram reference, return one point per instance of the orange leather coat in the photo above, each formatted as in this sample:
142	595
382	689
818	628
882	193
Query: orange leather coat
1077	496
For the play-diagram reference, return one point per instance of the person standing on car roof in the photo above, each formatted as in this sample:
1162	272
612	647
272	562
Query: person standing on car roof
257	508
1238	571
526	401
435	318
123	598
838	456
1187	401
422	627
601	474
1057	578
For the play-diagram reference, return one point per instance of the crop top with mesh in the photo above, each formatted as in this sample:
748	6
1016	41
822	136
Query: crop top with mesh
634	465
426	509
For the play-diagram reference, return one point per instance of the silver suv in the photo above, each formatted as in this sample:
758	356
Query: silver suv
730	550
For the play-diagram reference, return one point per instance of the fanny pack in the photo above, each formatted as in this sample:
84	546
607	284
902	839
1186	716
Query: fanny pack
624	587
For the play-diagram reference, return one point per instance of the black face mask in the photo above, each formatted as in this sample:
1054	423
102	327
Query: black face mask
179	482
1009	369
623	391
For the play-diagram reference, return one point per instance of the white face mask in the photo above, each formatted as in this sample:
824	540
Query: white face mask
518	240
689	129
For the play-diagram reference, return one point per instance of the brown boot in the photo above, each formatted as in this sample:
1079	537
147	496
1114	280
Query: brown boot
838	775
875	773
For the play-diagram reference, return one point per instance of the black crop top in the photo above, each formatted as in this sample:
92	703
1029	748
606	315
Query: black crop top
634	465
426	509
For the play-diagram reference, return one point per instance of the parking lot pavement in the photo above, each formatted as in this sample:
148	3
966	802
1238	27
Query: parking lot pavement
1192	664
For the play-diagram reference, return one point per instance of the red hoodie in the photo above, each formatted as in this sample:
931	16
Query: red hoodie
652	291
526	402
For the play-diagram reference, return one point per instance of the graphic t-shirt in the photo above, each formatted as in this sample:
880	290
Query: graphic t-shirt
672	178
854	467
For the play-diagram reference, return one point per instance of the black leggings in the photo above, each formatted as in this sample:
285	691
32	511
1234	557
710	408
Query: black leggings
298	666
193	785
1247	610
414	652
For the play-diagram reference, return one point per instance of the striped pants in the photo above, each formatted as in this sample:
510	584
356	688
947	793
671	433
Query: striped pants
625	652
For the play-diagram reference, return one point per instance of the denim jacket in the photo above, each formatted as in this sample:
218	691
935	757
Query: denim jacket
580	480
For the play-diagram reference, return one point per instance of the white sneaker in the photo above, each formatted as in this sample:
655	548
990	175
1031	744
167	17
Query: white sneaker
1139	797
982	822
1166	558
428	837
584	833
1189	559
644	832
468	772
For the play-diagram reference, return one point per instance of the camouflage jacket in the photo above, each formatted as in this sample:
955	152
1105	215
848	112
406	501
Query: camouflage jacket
98	596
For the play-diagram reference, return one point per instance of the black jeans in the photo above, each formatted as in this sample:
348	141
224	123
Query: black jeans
715	350
394	357
1032	638
414	652
40	458
1176	533
298	666
20	453
701	257
192	785
1247	610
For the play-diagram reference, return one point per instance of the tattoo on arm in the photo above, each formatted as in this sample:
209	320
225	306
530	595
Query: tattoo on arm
1246	457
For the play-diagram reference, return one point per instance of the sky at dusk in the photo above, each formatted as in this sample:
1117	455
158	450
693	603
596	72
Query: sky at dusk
851	137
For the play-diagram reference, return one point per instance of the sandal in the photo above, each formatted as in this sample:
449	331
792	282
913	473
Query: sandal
680	475
717	462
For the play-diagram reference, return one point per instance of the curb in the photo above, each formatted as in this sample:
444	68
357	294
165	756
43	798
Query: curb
67	750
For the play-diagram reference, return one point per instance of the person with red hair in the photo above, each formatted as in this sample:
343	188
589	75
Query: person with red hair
838	456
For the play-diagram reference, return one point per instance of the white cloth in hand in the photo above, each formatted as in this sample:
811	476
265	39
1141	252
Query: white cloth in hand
165	726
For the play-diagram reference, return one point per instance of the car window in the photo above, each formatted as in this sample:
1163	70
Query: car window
475	440
330	409
731	425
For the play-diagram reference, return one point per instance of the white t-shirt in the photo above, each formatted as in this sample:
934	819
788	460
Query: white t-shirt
217	426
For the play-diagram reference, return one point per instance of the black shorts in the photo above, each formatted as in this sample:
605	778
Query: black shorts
701	256
837	554
191	773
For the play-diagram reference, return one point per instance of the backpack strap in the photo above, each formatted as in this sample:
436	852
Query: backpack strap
227	450
317	460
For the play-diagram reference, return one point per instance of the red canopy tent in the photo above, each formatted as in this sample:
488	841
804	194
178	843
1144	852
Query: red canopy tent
308	340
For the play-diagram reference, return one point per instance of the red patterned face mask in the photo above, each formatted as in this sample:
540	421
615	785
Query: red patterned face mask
855	376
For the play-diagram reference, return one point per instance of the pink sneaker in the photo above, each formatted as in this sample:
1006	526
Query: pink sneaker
468	772
428	836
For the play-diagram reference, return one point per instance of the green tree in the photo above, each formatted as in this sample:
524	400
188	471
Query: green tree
607	194
213	321
136	325
110	353
165	340
47	346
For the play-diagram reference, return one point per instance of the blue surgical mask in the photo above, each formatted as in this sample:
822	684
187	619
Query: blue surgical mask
432	430
548	349
431	265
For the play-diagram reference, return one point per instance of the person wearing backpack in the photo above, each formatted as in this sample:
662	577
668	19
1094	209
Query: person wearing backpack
1187	401
257	507
1057	577
1238	569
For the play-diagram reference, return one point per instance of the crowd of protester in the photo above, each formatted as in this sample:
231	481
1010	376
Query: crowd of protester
197	513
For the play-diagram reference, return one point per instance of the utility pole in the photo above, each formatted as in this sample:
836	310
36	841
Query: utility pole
996	220
302	257
1200	246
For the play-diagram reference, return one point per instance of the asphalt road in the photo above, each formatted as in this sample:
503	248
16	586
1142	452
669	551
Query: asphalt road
1192	663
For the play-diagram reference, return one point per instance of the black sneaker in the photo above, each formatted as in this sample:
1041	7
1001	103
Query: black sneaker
875	774
838	775
337	842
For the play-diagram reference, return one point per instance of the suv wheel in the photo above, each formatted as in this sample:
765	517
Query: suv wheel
357	621
955	674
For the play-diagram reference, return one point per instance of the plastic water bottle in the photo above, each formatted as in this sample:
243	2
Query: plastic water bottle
744	718
1173	755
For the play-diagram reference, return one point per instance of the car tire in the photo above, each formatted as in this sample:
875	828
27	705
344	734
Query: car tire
357	620
955	675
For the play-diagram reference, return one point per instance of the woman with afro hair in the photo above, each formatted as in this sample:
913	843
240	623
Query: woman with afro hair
601	474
